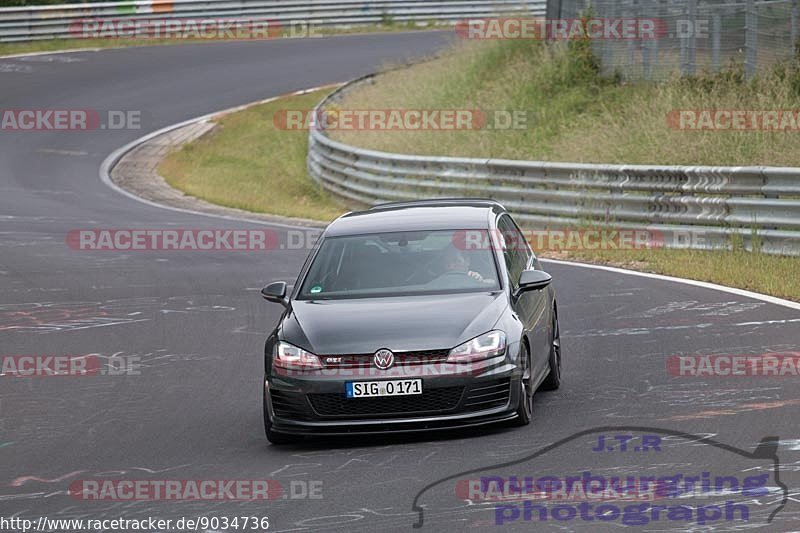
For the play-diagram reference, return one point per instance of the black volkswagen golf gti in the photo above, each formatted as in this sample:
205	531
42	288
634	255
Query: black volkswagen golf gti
412	316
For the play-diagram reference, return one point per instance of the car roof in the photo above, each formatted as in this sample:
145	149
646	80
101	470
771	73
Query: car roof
421	215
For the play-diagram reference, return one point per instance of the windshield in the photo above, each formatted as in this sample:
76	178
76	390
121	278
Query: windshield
400	263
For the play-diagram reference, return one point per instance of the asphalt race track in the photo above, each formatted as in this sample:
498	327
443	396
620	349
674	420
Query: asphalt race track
197	323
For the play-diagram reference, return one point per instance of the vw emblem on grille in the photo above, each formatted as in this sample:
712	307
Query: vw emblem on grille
383	358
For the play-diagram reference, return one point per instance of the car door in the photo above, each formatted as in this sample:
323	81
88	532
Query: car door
530	306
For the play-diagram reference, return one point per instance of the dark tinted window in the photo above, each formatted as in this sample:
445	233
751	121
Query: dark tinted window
400	263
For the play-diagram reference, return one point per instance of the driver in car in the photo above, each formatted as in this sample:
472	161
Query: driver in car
455	261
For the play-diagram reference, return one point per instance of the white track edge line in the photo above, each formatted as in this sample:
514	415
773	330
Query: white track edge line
54	52
704	284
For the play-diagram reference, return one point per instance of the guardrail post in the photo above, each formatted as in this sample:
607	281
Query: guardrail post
655	43
793	29
553	9
606	51
750	39
689	42
693	36
716	36
684	41
632	12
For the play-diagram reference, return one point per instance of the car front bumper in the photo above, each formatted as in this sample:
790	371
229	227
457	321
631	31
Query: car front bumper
317	404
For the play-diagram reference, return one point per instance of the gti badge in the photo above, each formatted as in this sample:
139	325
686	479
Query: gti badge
383	358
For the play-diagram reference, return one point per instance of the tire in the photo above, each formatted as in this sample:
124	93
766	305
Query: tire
525	405
273	436
553	379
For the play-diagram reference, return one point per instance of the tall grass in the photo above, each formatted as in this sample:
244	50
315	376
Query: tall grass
575	114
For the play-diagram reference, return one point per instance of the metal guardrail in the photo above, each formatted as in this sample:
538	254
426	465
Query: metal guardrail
48	22
691	207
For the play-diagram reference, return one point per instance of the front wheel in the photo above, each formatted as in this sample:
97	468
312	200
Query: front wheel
553	379
525	405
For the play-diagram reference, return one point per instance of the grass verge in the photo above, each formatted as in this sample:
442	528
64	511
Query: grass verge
248	163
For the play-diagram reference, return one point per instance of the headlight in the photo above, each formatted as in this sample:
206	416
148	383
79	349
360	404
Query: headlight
293	358
484	346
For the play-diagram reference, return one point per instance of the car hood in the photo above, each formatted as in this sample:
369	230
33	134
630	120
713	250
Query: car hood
364	325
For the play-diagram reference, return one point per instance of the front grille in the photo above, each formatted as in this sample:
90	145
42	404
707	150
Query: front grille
430	401
363	360
487	395
289	404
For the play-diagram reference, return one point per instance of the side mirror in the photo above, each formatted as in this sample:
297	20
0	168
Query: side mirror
533	280
275	292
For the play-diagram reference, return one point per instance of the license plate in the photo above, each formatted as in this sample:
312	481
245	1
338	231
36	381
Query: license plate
369	389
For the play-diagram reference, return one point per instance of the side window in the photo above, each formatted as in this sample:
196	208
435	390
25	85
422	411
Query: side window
516	252
523	247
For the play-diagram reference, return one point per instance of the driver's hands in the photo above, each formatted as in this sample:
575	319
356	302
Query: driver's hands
477	276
